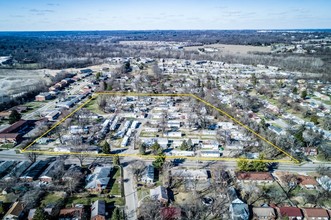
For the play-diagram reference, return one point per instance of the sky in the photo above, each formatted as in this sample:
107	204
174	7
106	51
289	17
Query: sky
53	15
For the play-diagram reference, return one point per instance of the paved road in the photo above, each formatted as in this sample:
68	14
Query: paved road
131	197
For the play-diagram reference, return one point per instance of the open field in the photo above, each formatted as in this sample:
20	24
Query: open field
13	81
232	49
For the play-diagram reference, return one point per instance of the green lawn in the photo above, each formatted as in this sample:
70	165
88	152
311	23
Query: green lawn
92	198
93	106
114	183
7	146
52	198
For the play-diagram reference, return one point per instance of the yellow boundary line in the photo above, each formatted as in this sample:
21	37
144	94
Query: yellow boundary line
154	156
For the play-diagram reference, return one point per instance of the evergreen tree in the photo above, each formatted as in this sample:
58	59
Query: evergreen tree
14	116
159	161
156	148
142	149
243	164
116	160
184	146
97	76
304	94
295	90
117	214
40	214
106	148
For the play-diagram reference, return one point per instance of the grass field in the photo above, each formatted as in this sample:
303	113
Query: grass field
232	49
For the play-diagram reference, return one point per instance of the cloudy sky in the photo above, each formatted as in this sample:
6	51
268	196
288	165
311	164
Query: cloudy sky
26	15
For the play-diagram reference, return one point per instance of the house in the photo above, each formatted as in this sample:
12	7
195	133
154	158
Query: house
148	176
33	172
15	212
98	210
159	193
325	182
43	97
99	179
17	170
292	213
86	71
10	138
50	172
238	209
53	115
307	182
199	174
311	151
72	172
210	153
5	165
71	214
15	132
33	211
257	177
172	213
260	213
316	213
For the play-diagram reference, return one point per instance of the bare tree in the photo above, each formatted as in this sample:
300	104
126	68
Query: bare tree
137	169
150	209
32	156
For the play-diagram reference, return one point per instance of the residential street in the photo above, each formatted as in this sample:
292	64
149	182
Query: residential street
131	197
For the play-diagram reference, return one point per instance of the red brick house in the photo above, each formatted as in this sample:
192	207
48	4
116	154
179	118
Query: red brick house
257	177
292	213
316	213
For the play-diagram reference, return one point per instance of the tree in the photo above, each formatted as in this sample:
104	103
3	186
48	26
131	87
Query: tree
32	156
97	76
259	164
137	169
253	79
243	164
106	148
304	94
40	214
117	215
158	162
32	198
1	209
184	145
295	90
142	149
14	116
314	119
116	160
156	148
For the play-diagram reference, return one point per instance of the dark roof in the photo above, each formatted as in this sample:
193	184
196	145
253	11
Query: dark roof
254	176
290	211
71	213
240	210
35	170
16	209
10	135
15	127
150	171
232	194
98	208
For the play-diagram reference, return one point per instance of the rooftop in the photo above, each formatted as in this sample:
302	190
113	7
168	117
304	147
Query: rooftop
254	176
316	212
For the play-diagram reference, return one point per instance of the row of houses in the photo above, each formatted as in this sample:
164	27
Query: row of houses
240	210
15	132
98	211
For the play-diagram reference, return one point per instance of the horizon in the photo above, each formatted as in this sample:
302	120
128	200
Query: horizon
129	30
103	15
